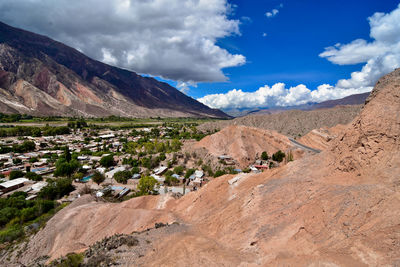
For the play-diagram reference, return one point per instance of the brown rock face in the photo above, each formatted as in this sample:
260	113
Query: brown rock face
340	207
59	80
372	145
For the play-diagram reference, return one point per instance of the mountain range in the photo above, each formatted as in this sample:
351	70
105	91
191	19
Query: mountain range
43	77
357	99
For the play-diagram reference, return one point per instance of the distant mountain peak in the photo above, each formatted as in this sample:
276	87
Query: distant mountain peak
41	76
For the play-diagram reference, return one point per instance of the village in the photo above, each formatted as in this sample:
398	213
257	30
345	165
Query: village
110	163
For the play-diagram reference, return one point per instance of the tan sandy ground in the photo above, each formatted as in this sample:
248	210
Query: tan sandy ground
337	208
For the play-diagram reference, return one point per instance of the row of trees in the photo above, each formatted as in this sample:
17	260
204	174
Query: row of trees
277	156
34	131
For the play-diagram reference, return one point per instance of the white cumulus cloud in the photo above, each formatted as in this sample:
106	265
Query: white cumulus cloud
174	39
274	11
381	56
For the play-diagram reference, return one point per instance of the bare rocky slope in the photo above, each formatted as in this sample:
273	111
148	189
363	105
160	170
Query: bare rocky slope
340	207
294	123
244	144
321	138
40	76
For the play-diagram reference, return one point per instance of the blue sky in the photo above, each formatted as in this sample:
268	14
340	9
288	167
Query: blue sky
295	37
230	54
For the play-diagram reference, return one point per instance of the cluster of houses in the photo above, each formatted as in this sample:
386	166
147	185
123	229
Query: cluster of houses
42	162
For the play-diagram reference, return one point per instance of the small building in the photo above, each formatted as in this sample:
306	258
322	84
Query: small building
101	170
83	158
13	184
261	167
107	136
253	169
38	186
177	176
31	197
111	173
198	174
160	170
136	176
158	178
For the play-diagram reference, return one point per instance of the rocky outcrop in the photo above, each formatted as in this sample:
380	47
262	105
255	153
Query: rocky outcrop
40	76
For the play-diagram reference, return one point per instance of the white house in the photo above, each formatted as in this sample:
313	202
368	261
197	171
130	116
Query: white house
111	173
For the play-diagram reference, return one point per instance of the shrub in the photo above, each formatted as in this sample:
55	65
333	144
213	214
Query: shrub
219	173
11	233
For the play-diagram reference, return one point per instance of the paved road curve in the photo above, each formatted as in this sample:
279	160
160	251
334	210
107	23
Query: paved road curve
294	142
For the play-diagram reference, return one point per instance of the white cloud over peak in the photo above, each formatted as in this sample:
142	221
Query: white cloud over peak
276	96
174	39
380	56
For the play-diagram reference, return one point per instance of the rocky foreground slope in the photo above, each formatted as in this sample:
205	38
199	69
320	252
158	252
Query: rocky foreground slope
340	207
40	76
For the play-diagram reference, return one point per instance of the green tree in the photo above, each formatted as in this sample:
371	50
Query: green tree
64	168
176	145
17	161
98	177
14	174
33	176
179	170
107	161
67	154
56	189
146	185
278	156
264	155
122	176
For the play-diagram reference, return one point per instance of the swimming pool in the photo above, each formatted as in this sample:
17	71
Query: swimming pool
86	178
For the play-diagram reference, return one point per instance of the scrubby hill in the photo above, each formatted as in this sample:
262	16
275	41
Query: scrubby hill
340	207
293	123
